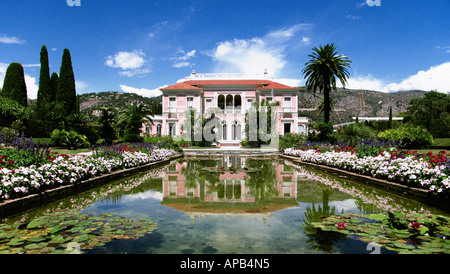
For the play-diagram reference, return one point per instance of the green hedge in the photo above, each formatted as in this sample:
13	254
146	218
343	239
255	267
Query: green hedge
408	136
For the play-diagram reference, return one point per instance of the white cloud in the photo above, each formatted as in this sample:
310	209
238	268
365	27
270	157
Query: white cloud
248	56
364	82
181	61
254	55
32	87
80	85
126	60
435	78
134	72
289	82
131	63
30	81
10	40
31	65
142	91
306	40
181	64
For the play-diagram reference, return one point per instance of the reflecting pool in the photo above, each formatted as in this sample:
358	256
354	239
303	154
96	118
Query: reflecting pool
232	205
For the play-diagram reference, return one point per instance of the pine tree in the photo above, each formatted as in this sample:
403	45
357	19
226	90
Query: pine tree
45	88
66	95
14	86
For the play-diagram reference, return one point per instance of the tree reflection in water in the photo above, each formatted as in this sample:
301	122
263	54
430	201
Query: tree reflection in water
319	239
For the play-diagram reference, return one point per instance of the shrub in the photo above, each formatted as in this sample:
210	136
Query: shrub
71	140
58	137
291	140
75	141
351	135
132	138
325	133
408	136
164	142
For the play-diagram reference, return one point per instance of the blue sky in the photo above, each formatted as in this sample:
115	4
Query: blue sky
141	45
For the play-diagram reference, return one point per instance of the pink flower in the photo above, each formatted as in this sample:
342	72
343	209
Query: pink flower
341	225
415	225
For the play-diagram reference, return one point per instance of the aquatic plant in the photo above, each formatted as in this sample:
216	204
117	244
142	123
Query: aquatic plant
57	232
407	232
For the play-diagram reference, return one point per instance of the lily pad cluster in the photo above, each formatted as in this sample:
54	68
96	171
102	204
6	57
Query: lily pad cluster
64	231
412	232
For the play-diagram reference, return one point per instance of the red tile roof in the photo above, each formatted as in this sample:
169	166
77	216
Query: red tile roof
197	84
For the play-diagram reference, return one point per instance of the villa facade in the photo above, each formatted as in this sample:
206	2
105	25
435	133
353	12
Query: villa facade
232	97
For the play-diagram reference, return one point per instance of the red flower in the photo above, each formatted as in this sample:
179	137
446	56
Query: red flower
341	225
415	225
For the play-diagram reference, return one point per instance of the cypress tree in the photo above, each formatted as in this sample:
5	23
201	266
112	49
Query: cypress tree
45	88
14	86
66	95
54	85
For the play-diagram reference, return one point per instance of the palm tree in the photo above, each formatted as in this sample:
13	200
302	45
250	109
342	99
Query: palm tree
322	70
133	117
106	119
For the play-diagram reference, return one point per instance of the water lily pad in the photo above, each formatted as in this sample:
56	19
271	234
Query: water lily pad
16	242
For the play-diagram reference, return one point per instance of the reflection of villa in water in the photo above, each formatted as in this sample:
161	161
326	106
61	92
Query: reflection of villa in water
231	191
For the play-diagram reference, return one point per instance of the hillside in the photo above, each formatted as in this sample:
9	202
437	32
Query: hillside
90	101
347	103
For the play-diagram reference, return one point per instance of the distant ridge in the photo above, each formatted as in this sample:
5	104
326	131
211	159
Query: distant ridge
347	102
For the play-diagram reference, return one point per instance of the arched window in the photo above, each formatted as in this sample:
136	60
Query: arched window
237	102
224	130
236	131
158	129
221	101
229	102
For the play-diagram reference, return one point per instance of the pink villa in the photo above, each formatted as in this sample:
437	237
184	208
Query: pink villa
233	96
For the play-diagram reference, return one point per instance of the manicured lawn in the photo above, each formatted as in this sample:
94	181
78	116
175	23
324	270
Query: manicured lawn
68	151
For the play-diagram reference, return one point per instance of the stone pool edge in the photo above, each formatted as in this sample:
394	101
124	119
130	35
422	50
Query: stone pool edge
423	195
15	206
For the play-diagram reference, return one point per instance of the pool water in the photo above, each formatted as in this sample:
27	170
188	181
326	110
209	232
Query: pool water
234	205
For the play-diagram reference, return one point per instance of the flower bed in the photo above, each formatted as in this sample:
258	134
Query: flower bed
426	171
64	170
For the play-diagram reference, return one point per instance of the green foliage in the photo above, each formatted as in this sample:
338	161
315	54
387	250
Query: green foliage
131	118
324	133
291	140
11	111
352	134
408	136
412	232
432	112
52	233
17	158
14	86
106	121
321	71
66	95
45	88
54	84
71	140
164	142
